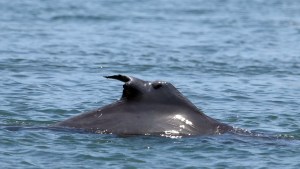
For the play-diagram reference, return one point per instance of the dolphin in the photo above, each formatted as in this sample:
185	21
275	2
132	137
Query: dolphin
147	108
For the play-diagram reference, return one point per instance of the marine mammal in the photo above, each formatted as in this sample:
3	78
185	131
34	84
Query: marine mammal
147	108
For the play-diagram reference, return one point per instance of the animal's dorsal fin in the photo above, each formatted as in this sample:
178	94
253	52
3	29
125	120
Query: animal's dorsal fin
130	88
119	77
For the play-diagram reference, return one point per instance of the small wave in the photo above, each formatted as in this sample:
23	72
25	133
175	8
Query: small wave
195	11
294	135
84	18
266	135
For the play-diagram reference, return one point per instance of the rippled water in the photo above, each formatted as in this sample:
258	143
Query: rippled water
237	60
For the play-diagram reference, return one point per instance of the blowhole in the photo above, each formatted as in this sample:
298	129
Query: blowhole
156	85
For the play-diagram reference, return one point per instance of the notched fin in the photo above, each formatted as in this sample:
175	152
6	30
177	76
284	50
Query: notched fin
129	92
131	88
119	77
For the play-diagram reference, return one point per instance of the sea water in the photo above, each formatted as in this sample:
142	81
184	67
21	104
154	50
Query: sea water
237	60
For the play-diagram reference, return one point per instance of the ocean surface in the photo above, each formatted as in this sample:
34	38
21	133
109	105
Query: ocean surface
237	60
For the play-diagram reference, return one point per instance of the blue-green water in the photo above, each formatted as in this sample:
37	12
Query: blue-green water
237	60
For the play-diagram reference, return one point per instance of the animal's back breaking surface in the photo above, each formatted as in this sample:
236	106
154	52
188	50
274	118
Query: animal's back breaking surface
147	108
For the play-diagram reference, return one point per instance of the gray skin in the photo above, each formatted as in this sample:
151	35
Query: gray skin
147	108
